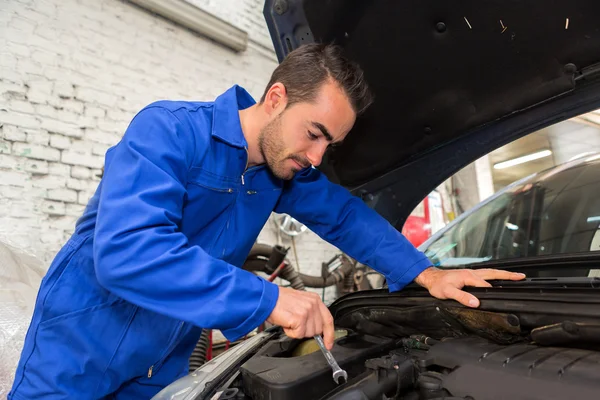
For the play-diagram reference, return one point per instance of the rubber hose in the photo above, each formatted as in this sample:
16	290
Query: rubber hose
335	277
348	284
254	265
198	357
376	384
260	253
371	386
261	250
290	274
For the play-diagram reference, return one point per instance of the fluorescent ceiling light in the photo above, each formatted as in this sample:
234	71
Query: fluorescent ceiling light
512	227
593	219
523	159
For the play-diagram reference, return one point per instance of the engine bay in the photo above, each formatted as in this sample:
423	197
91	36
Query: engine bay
517	345
419	368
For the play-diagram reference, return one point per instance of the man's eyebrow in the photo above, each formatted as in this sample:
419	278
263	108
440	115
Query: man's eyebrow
323	130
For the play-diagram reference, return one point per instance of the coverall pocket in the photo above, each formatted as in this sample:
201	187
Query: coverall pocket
148	342
75	314
173	341
65	362
207	191
61	260
209	180
76	280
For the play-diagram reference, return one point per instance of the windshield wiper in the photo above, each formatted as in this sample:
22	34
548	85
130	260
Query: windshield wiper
579	261
551	282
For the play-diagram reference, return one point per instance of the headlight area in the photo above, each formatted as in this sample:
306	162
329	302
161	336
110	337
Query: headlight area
201	383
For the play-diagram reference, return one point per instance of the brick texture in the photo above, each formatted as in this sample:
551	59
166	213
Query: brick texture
73	73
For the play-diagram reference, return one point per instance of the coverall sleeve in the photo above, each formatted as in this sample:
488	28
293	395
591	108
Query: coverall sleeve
348	223
141	255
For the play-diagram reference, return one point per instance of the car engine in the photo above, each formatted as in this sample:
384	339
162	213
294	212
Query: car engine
523	342
418	368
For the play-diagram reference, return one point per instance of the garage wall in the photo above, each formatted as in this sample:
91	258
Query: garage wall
245	14
72	75
469	195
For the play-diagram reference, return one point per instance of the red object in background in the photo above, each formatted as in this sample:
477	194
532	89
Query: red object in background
416	228
209	350
426	219
276	272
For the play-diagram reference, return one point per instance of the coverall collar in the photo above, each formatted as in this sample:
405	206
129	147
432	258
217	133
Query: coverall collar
226	119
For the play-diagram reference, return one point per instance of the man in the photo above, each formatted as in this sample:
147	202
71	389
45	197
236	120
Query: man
185	193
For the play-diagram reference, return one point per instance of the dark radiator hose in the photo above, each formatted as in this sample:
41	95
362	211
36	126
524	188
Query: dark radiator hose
347	285
288	272
198	357
260	250
386	376
335	277
260	253
369	387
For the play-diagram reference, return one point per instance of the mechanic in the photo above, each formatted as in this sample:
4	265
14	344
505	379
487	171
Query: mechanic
185	193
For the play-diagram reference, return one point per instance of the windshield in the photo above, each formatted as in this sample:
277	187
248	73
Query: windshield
556	212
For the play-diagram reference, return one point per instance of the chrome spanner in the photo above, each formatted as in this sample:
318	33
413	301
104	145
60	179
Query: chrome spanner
337	371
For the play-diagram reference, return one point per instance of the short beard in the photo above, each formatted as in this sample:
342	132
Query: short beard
272	150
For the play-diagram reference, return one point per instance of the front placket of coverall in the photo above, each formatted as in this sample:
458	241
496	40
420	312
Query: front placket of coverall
236	196
246	169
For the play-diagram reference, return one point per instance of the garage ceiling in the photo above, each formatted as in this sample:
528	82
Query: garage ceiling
592	118
566	140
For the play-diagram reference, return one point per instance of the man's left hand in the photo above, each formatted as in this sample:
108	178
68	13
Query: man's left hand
447	284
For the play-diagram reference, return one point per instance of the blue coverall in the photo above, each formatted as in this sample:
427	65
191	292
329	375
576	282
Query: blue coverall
158	250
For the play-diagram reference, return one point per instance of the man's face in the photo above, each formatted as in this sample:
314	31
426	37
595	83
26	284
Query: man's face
299	136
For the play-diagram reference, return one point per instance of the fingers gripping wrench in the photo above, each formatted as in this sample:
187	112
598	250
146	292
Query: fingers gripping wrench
337	371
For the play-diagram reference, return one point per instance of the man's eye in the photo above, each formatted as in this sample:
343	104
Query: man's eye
312	136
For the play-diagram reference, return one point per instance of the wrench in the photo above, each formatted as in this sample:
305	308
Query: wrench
337	371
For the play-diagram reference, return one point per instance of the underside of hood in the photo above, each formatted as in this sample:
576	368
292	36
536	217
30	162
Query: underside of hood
511	314
444	72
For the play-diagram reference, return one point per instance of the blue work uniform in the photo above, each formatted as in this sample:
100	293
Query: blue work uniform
158	250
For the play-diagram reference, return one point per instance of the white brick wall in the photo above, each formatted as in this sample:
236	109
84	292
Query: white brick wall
247	15
72	75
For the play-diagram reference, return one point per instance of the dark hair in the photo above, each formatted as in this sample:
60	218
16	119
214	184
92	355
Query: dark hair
305	69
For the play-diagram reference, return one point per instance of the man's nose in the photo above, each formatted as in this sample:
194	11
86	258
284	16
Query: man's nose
315	155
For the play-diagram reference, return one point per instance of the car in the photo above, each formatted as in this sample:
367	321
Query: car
427	218
553	212
453	81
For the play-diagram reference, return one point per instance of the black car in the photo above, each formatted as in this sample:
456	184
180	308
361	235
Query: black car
452	81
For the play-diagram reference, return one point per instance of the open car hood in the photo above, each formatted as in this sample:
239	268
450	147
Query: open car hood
452	82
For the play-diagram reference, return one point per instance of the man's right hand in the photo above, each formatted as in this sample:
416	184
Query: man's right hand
302	314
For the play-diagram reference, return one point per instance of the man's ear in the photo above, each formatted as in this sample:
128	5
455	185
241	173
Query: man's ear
276	99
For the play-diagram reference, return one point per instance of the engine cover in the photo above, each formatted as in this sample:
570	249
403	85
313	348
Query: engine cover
273	374
482	370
